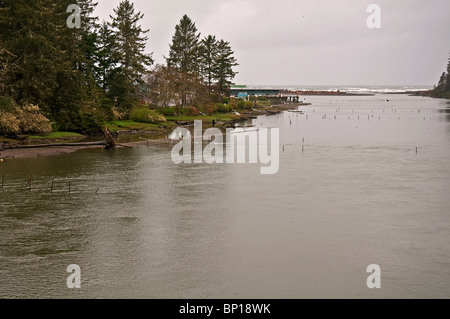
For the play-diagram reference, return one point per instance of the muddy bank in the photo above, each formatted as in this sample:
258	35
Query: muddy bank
59	150
39	152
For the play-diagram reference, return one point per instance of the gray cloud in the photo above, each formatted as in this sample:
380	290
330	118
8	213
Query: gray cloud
318	42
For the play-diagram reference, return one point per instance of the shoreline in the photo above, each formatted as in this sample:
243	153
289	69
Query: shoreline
18	153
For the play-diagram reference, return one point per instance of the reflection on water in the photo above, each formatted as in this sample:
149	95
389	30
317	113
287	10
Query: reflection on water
446	111
140	226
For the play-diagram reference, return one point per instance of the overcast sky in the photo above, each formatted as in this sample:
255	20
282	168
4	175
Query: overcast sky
312	42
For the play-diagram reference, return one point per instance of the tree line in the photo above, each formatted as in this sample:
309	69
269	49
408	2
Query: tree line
210	59
442	90
79	78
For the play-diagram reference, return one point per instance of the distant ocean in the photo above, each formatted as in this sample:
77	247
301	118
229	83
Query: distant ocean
349	88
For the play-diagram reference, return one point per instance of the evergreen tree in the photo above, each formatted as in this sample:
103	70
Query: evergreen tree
30	31
105	59
184	56
72	98
442	90
224	63
53	64
66	71
184	50
86	36
442	83
129	45
447	83
7	66
208	55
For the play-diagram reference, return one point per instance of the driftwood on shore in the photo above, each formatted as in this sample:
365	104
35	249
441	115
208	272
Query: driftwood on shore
102	143
108	144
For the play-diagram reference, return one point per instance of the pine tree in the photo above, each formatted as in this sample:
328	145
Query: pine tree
7	67
72	99
105	59
184	56
442	82
208	55
129	46
442	90
184	50
31	31
86	37
224	63
447	82
96	108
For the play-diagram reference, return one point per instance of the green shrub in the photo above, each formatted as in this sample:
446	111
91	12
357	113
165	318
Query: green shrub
232	104
7	104
222	108
215	98
241	104
92	121
146	116
107	109
55	127
249	105
167	111
180	111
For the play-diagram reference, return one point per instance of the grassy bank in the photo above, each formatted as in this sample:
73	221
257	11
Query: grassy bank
128	125
55	136
205	118
157	130
43	138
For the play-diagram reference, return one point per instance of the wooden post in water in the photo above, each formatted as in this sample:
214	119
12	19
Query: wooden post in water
417	150
3	179
51	189
69	187
96	192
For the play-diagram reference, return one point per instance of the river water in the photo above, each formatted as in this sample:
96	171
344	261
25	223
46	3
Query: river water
140	226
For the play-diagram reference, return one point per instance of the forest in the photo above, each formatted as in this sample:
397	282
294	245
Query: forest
442	90
57	76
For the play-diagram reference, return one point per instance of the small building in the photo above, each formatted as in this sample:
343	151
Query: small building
243	91
289	96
